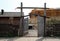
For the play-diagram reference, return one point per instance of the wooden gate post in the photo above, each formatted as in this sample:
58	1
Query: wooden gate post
21	28
44	17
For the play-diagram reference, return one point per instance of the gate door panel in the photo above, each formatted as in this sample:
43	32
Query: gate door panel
26	26
40	26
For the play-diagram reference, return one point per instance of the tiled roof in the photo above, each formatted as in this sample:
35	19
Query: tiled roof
10	14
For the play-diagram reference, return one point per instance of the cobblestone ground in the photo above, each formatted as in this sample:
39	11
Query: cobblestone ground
30	39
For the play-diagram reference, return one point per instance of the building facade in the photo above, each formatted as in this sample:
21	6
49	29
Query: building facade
51	13
10	23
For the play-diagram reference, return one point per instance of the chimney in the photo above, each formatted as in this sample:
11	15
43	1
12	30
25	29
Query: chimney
2	11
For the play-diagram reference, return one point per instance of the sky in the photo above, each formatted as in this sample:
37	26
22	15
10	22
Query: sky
10	5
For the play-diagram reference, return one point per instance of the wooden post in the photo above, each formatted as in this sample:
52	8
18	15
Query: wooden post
44	17
20	30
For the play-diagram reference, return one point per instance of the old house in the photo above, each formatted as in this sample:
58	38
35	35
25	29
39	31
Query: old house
52	23
9	23
52	13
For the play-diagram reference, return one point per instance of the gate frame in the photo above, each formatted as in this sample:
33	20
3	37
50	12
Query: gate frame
21	19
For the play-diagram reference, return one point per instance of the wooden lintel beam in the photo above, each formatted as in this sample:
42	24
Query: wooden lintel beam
31	8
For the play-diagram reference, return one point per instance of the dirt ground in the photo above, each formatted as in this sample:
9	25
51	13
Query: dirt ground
30	39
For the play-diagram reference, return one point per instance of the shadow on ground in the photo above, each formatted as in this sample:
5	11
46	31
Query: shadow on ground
12	39
30	39
40	39
48	39
9	39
